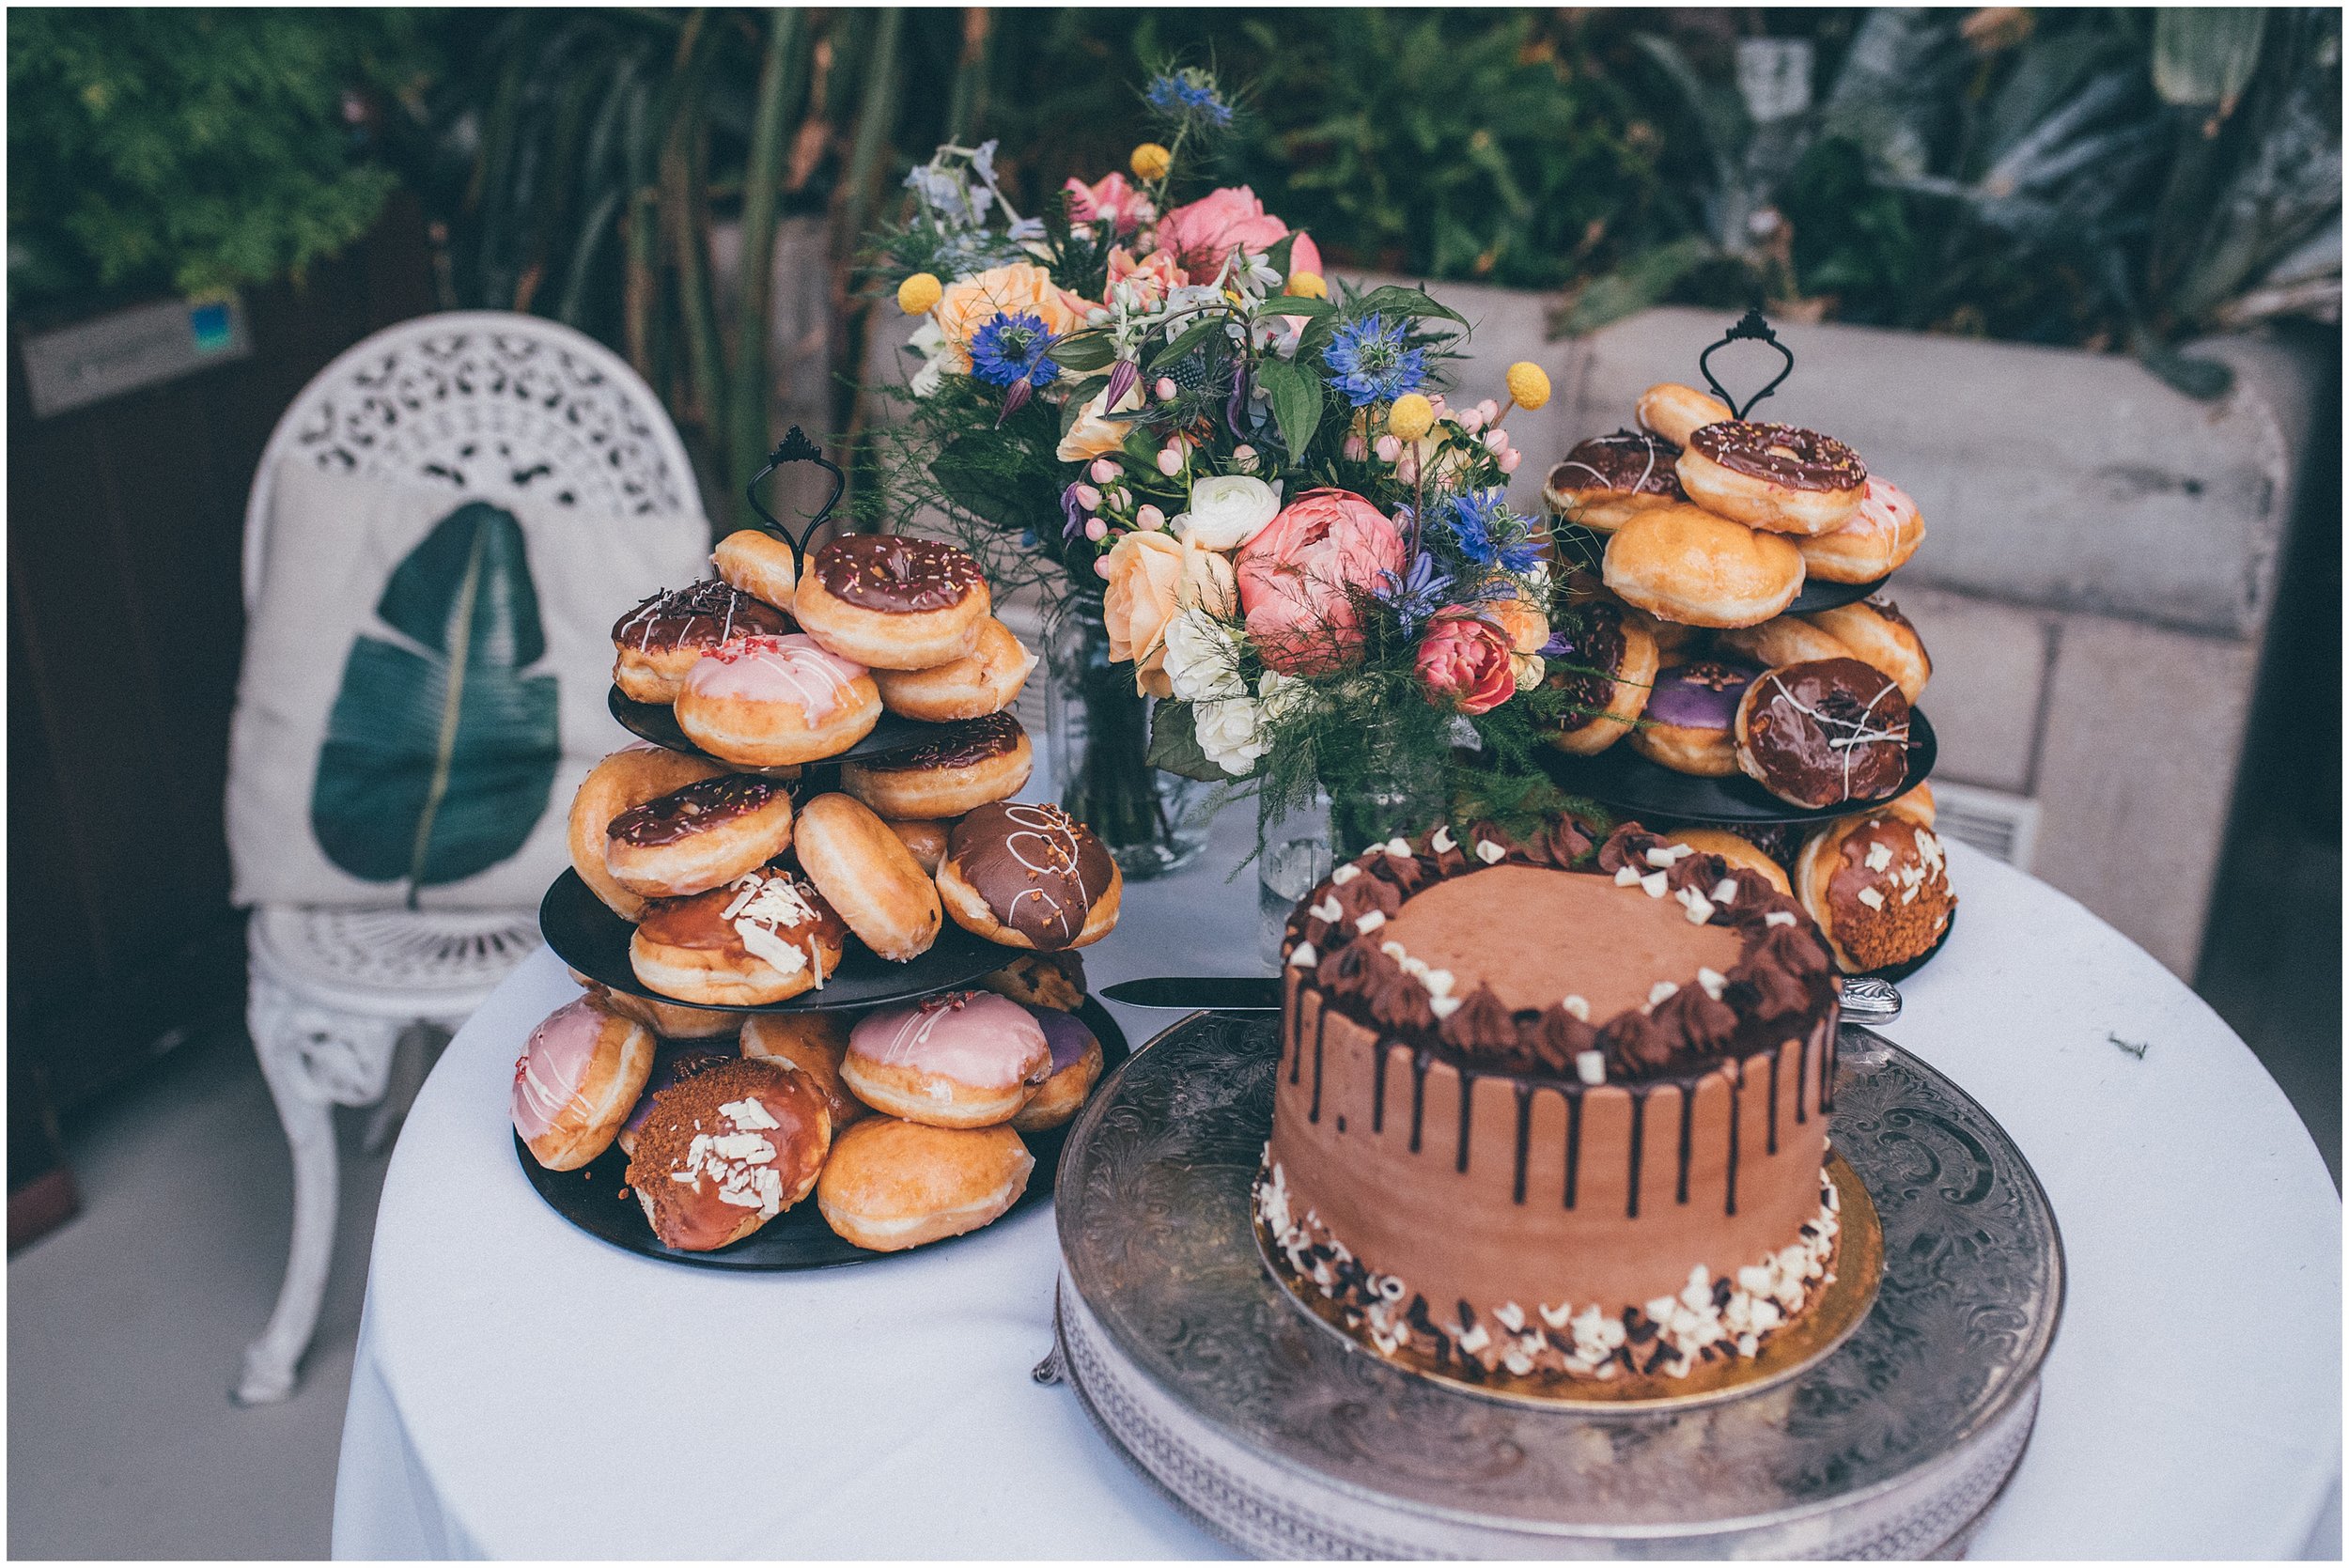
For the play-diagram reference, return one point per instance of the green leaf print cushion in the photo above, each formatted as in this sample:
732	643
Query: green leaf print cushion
441	748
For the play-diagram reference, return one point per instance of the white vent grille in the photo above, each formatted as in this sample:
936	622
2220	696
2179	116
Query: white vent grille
1991	821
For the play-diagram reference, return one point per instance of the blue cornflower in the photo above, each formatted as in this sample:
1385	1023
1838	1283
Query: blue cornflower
1188	92
1415	596
1013	347
1488	534
1371	362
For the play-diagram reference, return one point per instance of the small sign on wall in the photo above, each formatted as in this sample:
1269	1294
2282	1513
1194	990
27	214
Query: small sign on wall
128	350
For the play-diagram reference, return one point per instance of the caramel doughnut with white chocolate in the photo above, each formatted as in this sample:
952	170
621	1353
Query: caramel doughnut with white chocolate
1878	885
726	1150
1030	876
659	641
1777	477
893	601
691	839
764	936
761	702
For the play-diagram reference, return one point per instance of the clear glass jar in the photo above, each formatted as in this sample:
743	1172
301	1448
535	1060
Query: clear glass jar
1098	741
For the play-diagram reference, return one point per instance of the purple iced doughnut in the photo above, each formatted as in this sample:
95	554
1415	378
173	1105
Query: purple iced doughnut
1702	695
1063	1092
1066	1034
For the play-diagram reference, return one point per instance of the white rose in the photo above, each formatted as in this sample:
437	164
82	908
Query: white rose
1229	735
1201	661
1226	511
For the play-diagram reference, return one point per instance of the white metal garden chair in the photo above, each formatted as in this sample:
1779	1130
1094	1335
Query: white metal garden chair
494	407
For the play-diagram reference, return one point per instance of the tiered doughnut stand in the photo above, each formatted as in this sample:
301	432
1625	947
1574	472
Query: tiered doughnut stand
1621	777
585	934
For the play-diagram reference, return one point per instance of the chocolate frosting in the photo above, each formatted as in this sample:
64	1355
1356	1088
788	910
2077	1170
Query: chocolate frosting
680	813
1782	453
1482	1024
960	745
701	615
1827	731
896	572
1590	638
1629	462
1038	869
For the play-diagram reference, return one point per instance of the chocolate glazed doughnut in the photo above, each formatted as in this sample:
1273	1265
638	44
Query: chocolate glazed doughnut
1825	733
892	601
1605	480
1775	477
1030	876
1607	668
977	761
660	639
690	840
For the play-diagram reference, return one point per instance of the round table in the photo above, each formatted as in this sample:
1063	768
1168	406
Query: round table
522	1390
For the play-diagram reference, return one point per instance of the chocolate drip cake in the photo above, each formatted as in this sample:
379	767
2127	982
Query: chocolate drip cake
1553	1115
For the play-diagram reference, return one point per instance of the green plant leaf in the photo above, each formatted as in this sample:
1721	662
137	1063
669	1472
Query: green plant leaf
1091	349
440	751
1174	744
2203	55
1297	402
1394	299
974	473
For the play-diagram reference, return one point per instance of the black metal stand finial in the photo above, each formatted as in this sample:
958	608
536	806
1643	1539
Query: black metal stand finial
1749	327
796	448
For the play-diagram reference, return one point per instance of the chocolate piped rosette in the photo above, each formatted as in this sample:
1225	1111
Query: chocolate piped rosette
1551	1119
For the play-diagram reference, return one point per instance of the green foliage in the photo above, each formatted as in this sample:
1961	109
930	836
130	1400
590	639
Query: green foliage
195	149
440	751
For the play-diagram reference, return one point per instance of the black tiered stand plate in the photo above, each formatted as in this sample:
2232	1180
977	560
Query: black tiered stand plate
657	722
1819	595
595	1197
586	935
1622	778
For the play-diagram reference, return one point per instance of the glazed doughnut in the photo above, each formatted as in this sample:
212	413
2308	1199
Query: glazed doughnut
1606	479
690	840
811	1042
576	1077
671	1020
892	1184
960	1058
1075	1069
893	601
1690	723
1054	980
1916	805
983	681
1676	413
869	877
1738	854
1781	640
660	639
1775	477
1876	633
1877	542
761	701
759	564
672	1063
620	782
925	837
726	1150
1607	669
764	936
1676	643
1685	563
1879	888
1030	876
1825	733
976	762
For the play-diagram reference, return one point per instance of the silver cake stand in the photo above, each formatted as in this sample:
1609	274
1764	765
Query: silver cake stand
1287	1440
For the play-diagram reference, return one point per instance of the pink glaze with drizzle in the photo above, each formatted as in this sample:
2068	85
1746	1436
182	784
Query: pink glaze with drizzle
553	1064
974	1037
791	668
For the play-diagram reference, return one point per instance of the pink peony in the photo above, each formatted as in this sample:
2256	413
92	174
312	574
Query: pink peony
1299	579
1111	200
1203	232
1304	257
1151	276
1464	662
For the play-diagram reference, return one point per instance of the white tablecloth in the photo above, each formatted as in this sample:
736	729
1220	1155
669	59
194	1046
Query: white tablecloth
525	1390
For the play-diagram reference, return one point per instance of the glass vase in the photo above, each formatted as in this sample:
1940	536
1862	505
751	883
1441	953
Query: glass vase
1098	740
1406	763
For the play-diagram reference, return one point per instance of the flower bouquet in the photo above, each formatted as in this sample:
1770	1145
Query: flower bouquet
1252	486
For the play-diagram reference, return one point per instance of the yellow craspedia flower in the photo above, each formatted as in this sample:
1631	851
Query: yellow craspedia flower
918	293
1411	417
1151	162
1309	285
1529	383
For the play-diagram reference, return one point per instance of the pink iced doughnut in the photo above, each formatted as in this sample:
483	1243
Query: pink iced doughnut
960	1058
1877	542
762	702
576	1081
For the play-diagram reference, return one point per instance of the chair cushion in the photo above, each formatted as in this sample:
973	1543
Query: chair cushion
423	686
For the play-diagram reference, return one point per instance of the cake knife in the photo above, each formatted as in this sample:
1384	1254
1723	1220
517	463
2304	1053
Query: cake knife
1866	1000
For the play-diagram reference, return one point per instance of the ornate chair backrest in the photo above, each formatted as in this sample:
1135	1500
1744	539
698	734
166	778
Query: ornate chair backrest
491	405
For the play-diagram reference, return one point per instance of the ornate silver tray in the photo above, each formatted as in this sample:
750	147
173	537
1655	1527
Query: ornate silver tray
1289	1441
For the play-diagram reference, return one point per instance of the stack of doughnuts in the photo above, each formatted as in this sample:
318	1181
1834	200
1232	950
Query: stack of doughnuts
905	1122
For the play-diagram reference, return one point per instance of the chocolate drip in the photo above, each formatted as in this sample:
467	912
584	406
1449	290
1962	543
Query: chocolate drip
1377	1086
1736	1105
1419	1059
1802	1082
1688	1128
1321	1022
679	814
1775	1052
1826	1069
1294	1031
1574	1141
1525	1133
962	745
896	572
1639	1142
1468	1105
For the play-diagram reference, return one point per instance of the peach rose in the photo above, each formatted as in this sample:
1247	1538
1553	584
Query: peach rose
968	303
1464	662
1151	578
1203	232
1299	576
1095	434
